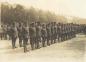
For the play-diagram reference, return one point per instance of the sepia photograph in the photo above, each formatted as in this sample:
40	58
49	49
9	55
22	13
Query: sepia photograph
42	30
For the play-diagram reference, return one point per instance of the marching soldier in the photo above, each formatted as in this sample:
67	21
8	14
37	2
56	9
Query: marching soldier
64	31
38	35
62	36
20	34
52	32
48	30
32	34
14	34
43	34
55	32
59	31
25	34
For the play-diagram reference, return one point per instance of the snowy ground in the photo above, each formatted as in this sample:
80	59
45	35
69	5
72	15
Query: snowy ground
69	51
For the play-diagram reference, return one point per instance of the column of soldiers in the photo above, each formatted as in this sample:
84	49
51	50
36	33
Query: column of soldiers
42	34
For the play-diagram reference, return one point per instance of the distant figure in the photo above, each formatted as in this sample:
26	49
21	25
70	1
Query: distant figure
38	35
14	35
20	35
43	34
25	34
32	34
48	30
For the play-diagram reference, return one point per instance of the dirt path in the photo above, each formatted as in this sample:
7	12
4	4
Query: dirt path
69	51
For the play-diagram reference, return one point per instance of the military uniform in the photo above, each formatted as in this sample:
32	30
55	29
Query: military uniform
38	35
59	32
48	29
43	34
20	30
32	34
55	32
14	35
25	34
52	33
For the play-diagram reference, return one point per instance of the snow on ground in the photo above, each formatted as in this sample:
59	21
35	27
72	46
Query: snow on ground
68	51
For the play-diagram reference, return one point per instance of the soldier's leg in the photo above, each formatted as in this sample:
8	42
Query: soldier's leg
25	44
20	42
48	43
43	42
65	36
32	40
58	37
38	43
5	35
55	37
13	43
35	42
52	40
1	36
61	37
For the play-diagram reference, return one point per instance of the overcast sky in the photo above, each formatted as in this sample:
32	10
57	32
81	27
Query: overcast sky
63	7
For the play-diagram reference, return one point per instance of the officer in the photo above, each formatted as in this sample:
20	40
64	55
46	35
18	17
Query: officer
14	35
25	34
48	30
32	34
43	34
20	34
38	35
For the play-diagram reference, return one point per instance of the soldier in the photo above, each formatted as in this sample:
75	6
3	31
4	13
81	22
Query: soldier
63	32
32	34
55	32
59	31
38	35
20	34
25	34
48	29
43	34
52	32
66	32
14	34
